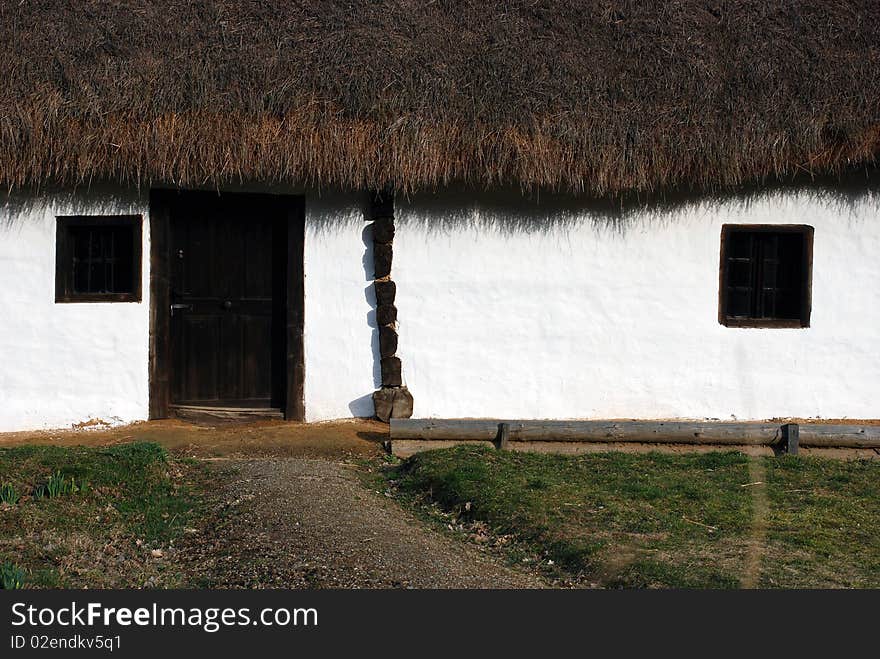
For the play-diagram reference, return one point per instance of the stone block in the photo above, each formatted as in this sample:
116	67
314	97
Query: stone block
382	256
402	405
391	372
386	314
385	292
383	401
387	342
383	230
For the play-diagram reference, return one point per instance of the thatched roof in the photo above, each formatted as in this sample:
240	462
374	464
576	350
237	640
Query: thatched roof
602	96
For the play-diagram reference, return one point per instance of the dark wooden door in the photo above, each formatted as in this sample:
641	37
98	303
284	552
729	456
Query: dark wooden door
227	320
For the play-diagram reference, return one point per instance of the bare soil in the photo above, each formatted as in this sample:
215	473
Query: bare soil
216	438
289	510
311	523
758	532
333	439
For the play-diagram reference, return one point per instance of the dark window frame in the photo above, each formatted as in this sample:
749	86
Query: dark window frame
64	286
806	284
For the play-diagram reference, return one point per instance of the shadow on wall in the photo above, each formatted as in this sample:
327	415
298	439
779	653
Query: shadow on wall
23	205
327	215
370	297
363	406
513	211
508	211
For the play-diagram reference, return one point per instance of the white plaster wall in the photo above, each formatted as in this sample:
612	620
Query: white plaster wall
341	335
554	310
508	308
62	364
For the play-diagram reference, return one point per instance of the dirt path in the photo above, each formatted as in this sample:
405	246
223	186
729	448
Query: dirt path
758	533
310	523
216	438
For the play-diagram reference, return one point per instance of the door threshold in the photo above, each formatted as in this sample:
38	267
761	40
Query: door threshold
226	413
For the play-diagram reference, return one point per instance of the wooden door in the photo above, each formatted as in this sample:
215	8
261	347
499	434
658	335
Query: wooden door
227	321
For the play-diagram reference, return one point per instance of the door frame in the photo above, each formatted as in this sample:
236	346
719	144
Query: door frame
161	202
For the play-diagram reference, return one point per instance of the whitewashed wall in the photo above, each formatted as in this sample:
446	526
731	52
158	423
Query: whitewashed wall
507	309
341	335
62	364
554	310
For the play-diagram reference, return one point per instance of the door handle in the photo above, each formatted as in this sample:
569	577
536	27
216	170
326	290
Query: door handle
180	307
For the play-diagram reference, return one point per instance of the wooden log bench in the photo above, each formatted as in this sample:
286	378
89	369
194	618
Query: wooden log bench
410	436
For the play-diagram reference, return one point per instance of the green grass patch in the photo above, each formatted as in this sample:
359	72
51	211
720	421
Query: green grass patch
8	494
96	517
824	524
662	520
12	577
59	485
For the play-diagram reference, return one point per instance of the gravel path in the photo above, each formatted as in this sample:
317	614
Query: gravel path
310	523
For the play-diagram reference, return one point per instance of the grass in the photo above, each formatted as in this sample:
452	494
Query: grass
824	524
663	520
96	517
11	576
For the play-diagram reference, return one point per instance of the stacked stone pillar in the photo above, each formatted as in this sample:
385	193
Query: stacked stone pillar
393	400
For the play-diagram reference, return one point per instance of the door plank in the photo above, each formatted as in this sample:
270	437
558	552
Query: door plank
226	275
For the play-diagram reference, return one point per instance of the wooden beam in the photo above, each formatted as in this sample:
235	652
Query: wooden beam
503	436
294	386
659	432
790	438
839	435
160	301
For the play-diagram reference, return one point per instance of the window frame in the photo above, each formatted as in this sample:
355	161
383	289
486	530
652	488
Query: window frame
806	302
64	292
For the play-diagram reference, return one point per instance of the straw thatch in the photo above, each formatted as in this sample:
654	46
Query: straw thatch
602	96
